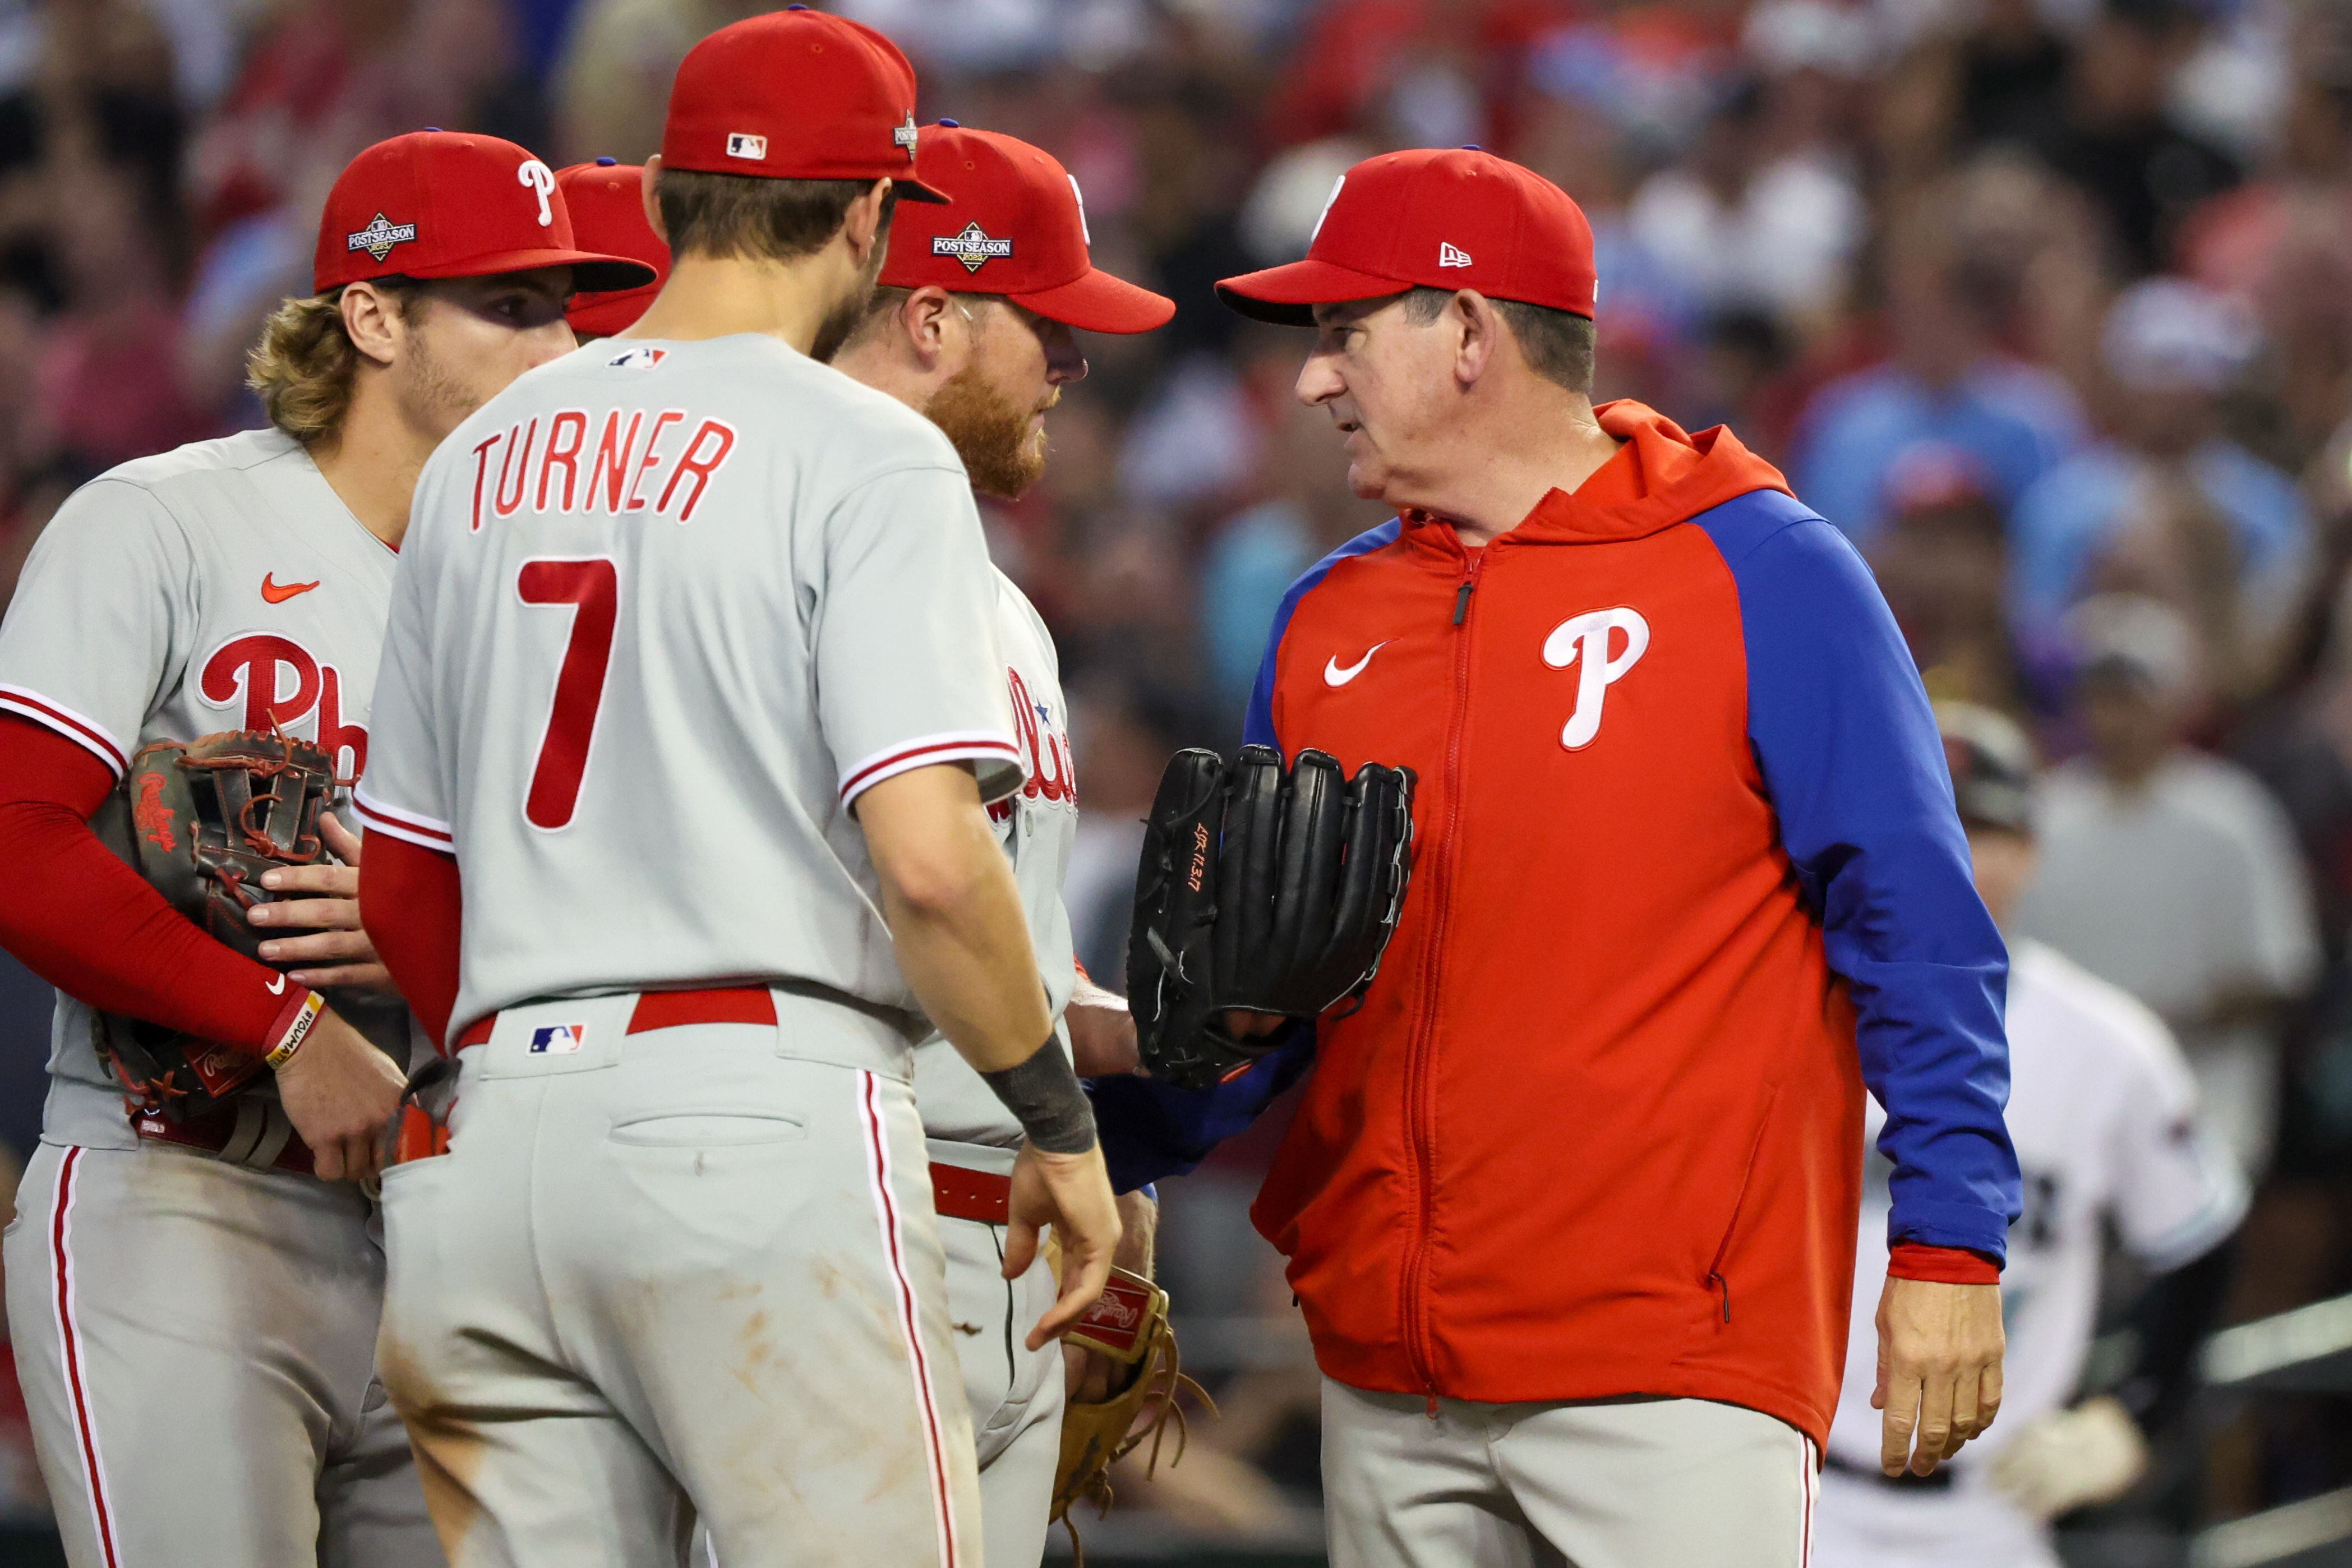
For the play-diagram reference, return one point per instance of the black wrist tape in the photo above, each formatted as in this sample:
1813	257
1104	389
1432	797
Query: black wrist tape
1044	1096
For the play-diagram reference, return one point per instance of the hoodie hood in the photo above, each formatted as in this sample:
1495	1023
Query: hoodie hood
1662	476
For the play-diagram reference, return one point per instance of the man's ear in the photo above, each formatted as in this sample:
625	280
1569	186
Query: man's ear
864	227
1476	329
372	321
652	203
930	317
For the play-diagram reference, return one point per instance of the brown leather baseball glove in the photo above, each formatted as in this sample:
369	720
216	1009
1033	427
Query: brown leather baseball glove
1128	1324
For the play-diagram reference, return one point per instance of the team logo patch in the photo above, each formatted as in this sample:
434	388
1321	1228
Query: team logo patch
380	235
743	144
557	1039
638	358
973	247
1452	256
904	136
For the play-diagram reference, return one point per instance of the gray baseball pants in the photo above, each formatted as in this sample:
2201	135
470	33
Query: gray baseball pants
1646	1483
196	1343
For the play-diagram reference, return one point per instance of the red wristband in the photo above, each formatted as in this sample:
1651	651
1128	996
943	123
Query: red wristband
292	1023
1941	1265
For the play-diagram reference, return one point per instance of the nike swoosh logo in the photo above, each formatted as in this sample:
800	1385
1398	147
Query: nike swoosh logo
1334	674
279	593
276	986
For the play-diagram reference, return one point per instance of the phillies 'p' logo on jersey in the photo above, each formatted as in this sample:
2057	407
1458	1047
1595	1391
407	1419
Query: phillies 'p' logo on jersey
1586	641
1044	747
279	684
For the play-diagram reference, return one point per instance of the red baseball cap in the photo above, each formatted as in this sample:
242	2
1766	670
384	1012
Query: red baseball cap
1016	227
608	209
439	204
1461	218
796	95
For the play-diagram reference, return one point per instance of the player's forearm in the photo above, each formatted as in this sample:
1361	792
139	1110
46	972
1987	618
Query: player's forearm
87	923
412	902
955	916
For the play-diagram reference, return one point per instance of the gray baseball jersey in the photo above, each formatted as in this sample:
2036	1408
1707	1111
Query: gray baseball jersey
221	586
1037	823
665	610
196	1338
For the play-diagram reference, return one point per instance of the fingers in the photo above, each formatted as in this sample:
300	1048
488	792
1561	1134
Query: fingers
321	947
1020	1248
1965	1422
341	841
1082	1279
308	914
1935	1423
1988	1397
320	877
346	977
1900	1399
326	1160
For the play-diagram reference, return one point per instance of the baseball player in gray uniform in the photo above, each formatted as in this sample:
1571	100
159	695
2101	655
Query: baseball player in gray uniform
193	1308
691	690
973	327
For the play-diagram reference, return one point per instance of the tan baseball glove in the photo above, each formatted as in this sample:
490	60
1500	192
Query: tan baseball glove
1128	1324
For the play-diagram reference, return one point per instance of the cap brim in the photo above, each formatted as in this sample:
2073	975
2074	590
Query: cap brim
1287	295
1097	302
592	273
910	189
603	315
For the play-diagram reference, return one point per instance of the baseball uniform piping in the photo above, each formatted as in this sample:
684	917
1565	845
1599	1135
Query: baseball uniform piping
1810	1481
69	1344
877	1170
421	831
83	731
922	753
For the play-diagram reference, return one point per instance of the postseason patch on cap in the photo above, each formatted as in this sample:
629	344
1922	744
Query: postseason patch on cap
380	235
904	136
973	246
743	144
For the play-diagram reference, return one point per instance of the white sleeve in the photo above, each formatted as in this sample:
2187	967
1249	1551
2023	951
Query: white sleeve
407	792
907	672
2282	937
2177	1192
102	619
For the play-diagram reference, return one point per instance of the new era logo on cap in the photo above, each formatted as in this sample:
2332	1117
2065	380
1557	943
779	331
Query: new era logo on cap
1452	256
378	238
557	1039
971	246
743	144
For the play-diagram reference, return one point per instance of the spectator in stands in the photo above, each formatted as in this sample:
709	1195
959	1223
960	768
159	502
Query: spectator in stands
2173	874
1947	381
2171	350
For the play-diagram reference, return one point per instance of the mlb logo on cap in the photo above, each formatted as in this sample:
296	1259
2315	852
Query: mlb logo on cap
743	144
557	1039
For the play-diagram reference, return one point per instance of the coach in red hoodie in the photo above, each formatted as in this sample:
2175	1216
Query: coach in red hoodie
1569	1201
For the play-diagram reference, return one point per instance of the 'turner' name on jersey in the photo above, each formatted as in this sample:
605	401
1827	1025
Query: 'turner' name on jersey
624	467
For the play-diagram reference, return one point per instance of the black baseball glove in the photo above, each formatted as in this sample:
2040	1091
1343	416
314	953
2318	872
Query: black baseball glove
201	821
1264	889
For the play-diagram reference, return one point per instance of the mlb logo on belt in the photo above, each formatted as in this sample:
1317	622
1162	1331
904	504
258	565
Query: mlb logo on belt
557	1039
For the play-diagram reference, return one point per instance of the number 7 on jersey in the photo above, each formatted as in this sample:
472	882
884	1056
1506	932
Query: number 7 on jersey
593	588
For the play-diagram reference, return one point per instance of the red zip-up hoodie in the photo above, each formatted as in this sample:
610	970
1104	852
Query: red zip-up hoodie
1683	817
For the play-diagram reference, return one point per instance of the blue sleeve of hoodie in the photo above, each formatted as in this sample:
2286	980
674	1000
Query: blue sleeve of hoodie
1855	768
1152	1130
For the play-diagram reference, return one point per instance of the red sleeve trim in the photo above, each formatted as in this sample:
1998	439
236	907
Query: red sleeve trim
923	753
83	732
1941	1265
425	832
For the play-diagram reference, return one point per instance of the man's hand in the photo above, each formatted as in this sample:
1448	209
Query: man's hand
1102	1033
338	1090
340	950
1939	1353
1089	1377
1072	1193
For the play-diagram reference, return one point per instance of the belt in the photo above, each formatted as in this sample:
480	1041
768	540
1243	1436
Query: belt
983	1195
1939	1480
241	1134
670	1009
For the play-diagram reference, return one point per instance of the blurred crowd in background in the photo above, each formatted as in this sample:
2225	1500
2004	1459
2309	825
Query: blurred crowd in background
2047	303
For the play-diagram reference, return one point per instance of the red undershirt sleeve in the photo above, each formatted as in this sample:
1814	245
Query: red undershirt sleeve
412	903
92	926
1941	1265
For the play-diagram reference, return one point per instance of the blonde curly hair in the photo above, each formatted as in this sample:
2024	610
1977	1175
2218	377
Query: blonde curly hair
304	366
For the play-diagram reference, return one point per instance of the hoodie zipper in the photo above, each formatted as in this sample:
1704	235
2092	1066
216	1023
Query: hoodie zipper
1421	1100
